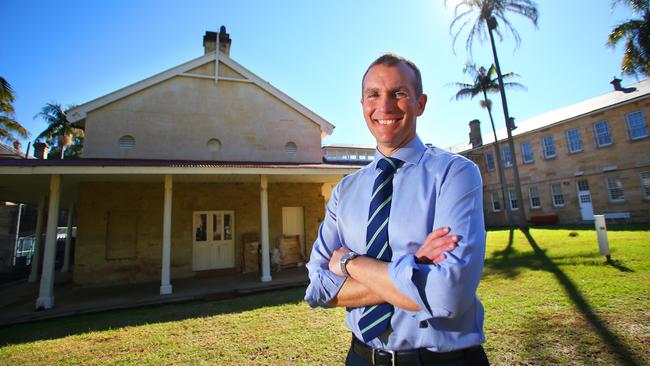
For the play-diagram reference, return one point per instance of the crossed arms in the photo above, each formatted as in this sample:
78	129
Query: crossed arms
368	280
438	279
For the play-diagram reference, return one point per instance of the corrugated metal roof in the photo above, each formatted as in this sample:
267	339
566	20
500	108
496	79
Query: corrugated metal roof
564	114
8	152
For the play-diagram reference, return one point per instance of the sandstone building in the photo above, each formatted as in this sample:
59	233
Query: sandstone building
588	158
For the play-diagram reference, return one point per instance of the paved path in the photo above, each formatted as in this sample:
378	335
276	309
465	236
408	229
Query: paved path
17	300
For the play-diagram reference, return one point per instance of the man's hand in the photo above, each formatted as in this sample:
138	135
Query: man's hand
435	245
335	260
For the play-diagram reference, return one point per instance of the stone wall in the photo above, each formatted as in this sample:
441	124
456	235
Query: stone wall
176	119
625	159
146	200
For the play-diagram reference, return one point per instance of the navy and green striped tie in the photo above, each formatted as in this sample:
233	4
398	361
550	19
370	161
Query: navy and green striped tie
376	319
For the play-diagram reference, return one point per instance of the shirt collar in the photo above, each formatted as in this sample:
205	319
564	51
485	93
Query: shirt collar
410	153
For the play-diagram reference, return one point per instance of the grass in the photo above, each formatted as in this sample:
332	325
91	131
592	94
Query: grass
550	299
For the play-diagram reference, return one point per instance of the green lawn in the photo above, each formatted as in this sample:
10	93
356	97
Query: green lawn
549	299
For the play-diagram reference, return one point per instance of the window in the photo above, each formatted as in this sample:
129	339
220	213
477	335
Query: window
214	145
489	161
514	203
527	152
507	156
573	142
601	134
549	147
496	204
556	194
645	184
636	126
615	189
533	194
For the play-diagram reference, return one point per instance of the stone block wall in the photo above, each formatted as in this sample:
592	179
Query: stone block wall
92	268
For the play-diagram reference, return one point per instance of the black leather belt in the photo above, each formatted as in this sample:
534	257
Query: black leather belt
410	357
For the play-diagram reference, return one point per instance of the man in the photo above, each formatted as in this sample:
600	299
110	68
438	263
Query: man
410	291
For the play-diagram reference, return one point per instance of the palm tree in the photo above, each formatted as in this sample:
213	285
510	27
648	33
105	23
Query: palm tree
486	15
483	83
9	127
59	131
636	58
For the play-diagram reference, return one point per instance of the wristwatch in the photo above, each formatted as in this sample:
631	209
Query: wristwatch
345	259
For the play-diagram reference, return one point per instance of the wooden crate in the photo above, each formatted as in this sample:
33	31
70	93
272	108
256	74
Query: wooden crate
290	251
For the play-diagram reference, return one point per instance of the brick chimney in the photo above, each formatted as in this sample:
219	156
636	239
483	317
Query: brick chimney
41	149
224	41
475	133
210	41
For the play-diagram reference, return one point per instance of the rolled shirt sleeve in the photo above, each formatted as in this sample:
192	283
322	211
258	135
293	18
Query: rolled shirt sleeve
448	289
323	284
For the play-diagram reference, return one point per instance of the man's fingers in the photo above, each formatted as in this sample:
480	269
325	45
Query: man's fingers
438	233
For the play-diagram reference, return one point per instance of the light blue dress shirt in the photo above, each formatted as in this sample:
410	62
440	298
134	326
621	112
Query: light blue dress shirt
432	189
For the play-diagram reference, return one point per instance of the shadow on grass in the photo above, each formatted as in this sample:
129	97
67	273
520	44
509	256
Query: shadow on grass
621	350
80	324
617	264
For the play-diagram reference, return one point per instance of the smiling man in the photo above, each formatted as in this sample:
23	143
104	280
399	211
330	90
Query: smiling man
409	290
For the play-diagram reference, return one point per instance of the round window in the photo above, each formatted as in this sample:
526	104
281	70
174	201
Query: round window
214	145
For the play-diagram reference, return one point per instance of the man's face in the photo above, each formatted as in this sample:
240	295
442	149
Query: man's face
391	106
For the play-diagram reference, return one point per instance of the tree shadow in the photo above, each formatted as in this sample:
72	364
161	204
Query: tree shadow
622	351
80	324
617	264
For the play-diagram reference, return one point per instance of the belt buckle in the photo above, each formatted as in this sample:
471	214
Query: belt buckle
393	357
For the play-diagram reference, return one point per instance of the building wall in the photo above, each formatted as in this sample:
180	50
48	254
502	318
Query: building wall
145	200
176	118
625	159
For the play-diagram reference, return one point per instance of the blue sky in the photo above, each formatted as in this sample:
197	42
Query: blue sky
71	52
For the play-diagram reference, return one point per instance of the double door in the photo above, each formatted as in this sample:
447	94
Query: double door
213	240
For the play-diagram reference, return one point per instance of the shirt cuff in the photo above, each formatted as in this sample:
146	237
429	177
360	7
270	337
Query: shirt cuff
411	279
324	288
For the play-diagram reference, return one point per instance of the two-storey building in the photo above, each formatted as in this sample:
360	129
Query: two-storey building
588	158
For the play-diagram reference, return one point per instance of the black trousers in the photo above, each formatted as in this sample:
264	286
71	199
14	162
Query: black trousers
475	357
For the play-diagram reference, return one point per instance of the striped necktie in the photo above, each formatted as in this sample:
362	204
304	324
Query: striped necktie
376	319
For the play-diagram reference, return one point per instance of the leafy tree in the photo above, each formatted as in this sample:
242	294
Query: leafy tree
484	82
636	32
484	17
60	132
9	127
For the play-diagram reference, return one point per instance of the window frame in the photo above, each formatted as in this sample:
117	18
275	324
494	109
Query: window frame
531	196
487	165
610	189
597	134
553	195
511	195
492	201
569	143
506	163
544	147
645	189
523	152
644	125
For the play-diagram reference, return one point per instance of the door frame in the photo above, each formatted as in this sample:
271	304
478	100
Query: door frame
209	233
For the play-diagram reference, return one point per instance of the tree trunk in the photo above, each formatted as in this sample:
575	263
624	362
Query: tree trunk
502	174
523	223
